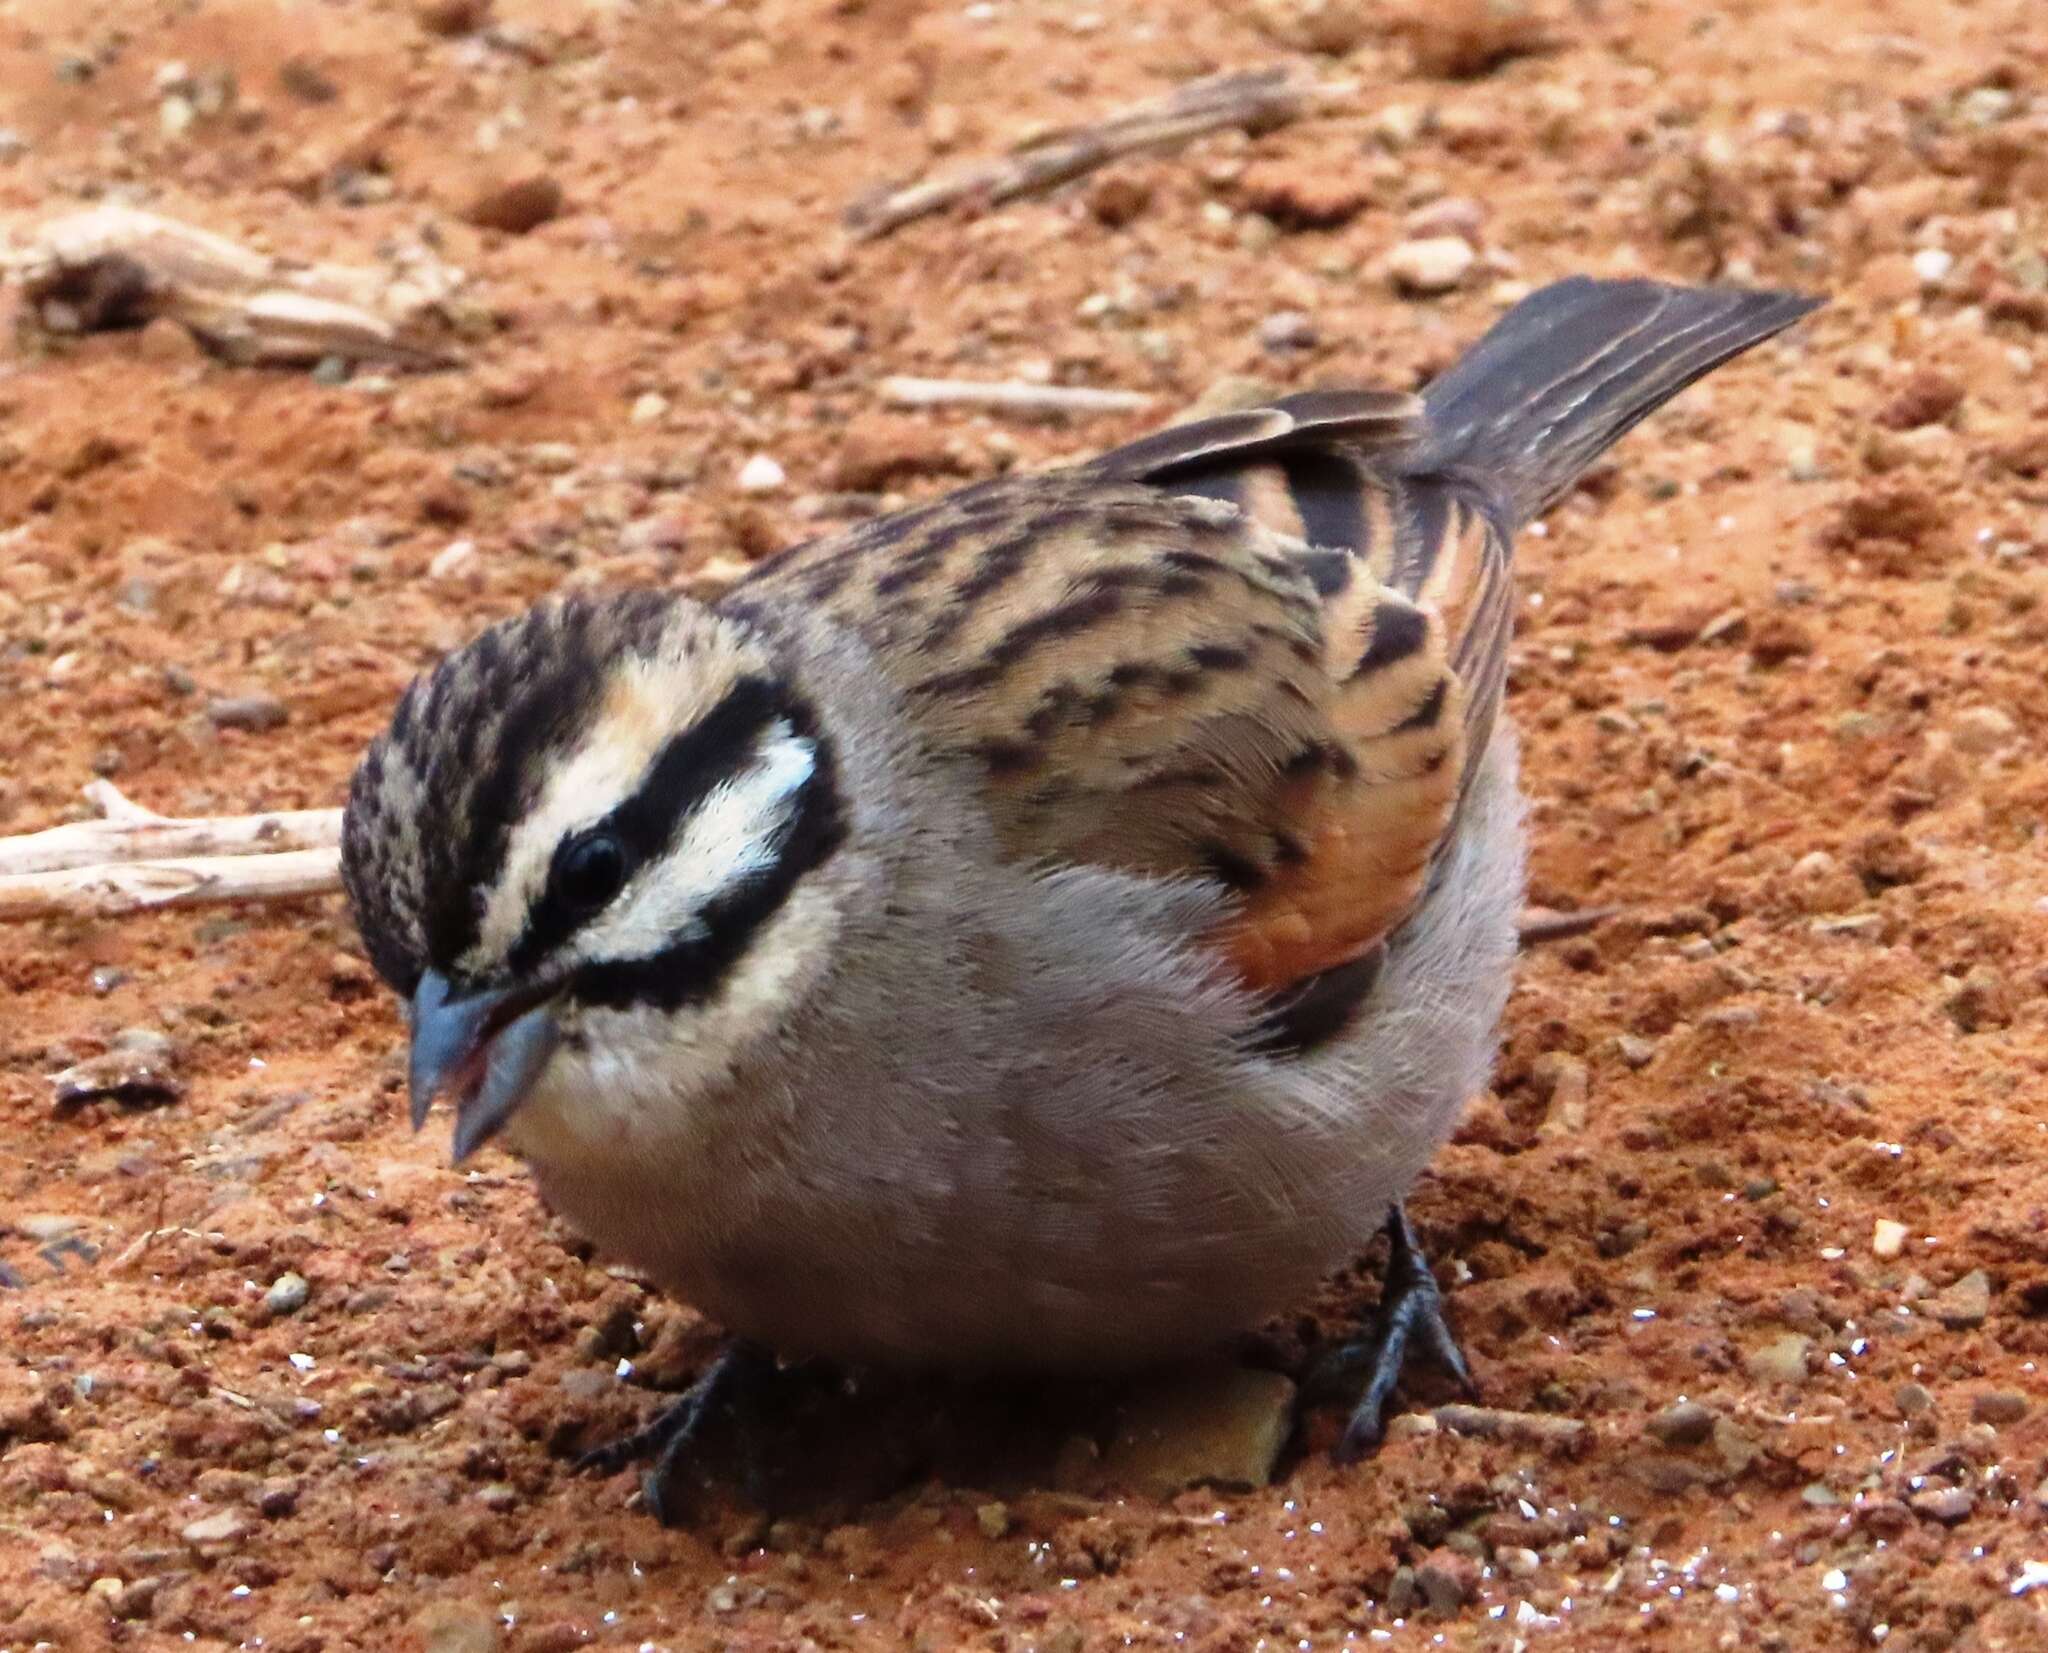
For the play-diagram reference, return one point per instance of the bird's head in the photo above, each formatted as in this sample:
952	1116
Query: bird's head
581	853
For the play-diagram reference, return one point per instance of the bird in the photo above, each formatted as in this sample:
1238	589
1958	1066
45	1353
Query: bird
1044	930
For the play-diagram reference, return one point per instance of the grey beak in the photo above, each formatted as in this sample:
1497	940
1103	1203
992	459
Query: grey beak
512	1034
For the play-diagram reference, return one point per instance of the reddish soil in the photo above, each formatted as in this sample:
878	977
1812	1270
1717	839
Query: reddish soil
1780	673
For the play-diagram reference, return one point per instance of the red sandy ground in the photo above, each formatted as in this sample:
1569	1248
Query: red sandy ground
1827	1003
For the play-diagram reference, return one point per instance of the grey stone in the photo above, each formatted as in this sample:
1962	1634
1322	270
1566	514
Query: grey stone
287	1294
255	713
1686	1424
1966	1305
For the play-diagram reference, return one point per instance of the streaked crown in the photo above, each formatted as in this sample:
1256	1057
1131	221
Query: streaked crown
607	797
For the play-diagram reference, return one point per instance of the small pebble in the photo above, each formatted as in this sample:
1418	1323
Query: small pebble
516	205
1635	1052
648	407
1429	266
1803	461
993	1519
1887	1238
1965	1305
457	557
287	1294
253	712
1986	106
1932	265
1948	1505
761	475
1735	1447
223	1527
1686	1424
1561	1081
453	17
1913	1399
1982	999
1447	1580
1999	1408
1782	1360
1288	330
277	1498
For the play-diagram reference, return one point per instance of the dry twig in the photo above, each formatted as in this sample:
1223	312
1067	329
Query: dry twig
1009	396
115	266
1540	924
128	832
135	858
1255	100
1493	1423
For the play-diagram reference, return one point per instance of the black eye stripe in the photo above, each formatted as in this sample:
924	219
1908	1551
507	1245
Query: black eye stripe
686	771
694	970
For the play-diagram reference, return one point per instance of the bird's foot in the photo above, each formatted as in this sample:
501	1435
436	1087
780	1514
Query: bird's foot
1411	1312
729	1384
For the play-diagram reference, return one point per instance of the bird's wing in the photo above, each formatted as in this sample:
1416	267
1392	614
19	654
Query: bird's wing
1253	648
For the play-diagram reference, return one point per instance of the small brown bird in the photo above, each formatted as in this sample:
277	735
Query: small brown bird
1050	928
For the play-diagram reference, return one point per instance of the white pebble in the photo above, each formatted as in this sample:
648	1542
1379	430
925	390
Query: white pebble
648	407
1932	265
761	475
453	560
1887	1238
1433	264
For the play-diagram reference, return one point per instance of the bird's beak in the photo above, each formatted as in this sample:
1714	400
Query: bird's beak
487	1047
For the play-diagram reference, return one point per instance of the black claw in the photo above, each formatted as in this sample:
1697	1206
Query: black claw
1411	1310
679	1426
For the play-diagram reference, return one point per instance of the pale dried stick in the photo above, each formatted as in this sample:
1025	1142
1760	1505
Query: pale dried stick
190	881
136	859
1255	100
1009	396
130	832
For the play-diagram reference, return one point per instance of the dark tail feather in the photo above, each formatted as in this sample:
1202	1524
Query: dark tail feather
1565	373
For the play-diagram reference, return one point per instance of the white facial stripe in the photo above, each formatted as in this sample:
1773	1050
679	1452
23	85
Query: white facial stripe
650	700
580	792
727	840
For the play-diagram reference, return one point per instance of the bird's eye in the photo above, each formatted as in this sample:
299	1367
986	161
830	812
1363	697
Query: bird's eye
590	870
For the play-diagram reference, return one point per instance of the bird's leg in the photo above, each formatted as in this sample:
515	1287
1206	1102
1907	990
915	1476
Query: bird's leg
1411	1309
739	1370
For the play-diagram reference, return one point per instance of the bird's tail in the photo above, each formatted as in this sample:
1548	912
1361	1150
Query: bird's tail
1565	373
